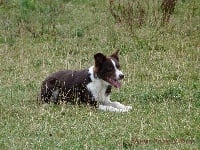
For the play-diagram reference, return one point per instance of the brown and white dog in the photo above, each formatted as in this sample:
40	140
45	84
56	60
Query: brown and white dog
90	86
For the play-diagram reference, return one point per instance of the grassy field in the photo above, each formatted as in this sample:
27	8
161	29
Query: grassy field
161	64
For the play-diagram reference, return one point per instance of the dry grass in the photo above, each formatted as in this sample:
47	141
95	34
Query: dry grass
161	64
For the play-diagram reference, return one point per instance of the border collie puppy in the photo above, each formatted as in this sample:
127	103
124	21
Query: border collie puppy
90	86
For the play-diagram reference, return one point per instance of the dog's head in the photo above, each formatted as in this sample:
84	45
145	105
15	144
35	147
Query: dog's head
108	68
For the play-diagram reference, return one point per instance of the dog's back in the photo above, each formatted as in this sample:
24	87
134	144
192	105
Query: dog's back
66	86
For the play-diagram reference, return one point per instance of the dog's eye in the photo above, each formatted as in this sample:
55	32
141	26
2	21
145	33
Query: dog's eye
110	68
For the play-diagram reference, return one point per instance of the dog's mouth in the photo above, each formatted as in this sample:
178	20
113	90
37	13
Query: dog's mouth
114	82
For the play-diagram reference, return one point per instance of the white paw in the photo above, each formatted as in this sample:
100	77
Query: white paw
122	110
125	109
128	107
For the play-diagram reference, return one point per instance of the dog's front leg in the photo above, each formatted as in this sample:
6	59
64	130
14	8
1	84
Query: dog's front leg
113	106
110	108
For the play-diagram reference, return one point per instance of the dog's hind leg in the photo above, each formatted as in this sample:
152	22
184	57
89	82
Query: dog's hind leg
49	91
54	97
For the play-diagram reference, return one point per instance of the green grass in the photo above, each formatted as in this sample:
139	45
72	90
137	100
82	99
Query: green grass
161	64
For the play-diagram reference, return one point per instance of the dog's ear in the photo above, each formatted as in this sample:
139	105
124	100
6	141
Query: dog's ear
99	58
115	55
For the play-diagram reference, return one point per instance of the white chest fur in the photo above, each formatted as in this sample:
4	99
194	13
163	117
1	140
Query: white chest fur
97	87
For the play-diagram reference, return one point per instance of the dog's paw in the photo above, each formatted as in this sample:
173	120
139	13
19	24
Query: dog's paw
128	107
125	109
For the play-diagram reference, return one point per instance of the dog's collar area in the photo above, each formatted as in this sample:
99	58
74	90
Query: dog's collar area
94	73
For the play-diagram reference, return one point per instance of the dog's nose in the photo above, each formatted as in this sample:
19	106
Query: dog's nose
121	76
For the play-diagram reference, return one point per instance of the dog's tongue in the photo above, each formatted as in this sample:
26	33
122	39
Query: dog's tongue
114	83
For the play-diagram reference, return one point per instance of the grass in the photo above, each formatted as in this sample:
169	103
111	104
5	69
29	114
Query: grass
161	64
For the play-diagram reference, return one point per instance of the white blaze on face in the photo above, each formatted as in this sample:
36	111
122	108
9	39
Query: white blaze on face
118	73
